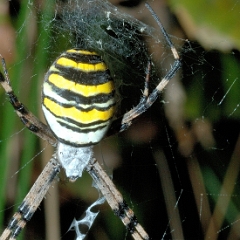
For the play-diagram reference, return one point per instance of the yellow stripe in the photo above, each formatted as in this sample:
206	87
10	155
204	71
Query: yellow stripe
77	115
85	67
85	90
79	51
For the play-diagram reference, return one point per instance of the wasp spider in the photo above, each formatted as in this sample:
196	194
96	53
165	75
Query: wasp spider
78	103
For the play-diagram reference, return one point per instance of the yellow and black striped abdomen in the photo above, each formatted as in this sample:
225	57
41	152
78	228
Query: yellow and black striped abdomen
78	98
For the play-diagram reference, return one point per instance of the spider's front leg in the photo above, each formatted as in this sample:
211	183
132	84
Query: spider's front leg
32	201
142	106
147	100
28	119
116	201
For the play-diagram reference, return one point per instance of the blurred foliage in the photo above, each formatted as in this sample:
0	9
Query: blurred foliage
214	24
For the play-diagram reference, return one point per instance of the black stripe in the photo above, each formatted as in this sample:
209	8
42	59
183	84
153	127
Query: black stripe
13	222
18	106
25	211
17	231
29	125
77	76
92	106
84	58
121	213
74	144
79	126
82	125
79	99
2	78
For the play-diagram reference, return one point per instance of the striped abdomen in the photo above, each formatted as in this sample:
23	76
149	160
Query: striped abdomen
78	98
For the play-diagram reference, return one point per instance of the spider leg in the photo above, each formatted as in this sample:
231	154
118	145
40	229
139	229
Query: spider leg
123	123
147	78
27	118
116	201
147	101
32	201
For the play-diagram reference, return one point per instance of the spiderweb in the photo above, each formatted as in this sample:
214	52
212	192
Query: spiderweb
177	167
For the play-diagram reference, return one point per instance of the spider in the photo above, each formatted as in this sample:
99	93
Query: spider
78	104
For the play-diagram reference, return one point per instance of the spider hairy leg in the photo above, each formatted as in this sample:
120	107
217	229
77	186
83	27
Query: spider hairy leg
147	100
27	118
122	124
32	201
165	34
116	201
147	78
